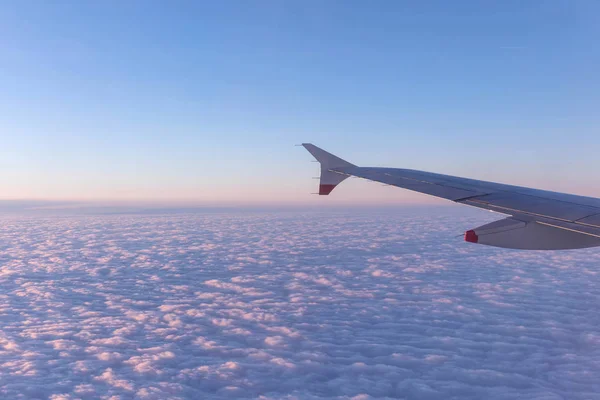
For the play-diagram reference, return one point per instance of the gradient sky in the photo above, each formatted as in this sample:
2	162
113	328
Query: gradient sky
202	101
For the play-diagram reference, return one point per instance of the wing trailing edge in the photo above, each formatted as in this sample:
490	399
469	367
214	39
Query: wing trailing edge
512	233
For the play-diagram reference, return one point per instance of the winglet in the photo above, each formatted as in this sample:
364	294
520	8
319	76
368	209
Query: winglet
329	177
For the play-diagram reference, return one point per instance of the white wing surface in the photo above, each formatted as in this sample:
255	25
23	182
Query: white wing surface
539	219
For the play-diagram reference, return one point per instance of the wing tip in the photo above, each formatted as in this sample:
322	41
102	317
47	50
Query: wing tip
325	189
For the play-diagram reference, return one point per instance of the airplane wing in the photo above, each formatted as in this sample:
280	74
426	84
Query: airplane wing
537	219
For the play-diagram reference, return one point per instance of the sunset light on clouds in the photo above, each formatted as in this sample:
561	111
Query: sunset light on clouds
280	306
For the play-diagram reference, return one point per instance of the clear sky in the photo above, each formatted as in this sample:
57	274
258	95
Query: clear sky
202	101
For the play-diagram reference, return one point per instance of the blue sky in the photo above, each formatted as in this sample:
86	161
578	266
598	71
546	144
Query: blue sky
203	101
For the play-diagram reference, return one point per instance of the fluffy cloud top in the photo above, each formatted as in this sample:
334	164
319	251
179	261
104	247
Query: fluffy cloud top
291	305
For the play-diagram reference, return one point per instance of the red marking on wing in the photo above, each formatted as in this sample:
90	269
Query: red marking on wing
471	236
325	189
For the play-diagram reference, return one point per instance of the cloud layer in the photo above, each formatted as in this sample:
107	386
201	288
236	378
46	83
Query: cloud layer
291	305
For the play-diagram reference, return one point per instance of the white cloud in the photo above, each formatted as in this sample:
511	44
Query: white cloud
291	305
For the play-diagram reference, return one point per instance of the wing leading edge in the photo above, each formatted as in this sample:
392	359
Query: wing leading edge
540	220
